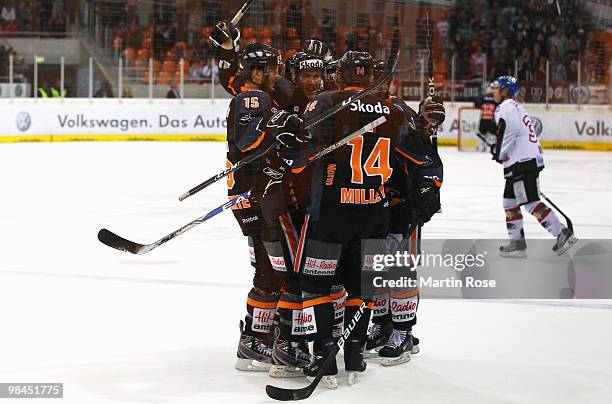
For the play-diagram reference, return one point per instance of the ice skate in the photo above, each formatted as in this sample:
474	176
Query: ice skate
329	379
415	345
253	354
353	360
397	350
378	336
516	249
565	240
289	359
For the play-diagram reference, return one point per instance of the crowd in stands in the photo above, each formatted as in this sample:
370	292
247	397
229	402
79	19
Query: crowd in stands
46	17
493	34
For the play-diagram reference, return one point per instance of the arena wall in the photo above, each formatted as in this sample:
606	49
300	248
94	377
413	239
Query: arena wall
51	120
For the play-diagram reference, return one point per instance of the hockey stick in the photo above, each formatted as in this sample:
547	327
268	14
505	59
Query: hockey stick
431	83
393	58
117	242
282	394
239	14
570	226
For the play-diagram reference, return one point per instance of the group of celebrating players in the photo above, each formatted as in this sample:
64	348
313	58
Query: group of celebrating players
310	221
313	221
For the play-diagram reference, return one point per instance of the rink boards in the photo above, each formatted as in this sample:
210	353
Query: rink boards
55	120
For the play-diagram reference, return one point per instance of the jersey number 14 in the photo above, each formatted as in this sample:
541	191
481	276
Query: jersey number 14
377	162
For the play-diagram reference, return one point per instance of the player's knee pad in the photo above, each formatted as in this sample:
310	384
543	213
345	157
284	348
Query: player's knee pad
318	265
261	308
357	327
317	316
404	305
338	296
281	264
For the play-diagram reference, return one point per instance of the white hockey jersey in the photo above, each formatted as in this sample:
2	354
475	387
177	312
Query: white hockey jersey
520	142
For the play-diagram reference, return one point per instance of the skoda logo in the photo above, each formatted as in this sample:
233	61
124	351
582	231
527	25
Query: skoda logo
537	124
18	91
23	121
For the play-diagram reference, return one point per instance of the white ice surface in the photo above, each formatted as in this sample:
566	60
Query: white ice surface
163	327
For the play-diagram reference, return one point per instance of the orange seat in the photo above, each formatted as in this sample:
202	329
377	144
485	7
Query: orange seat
129	54
164	77
248	32
141	64
146	43
143	53
169	65
156	65
266	32
145	77
291	32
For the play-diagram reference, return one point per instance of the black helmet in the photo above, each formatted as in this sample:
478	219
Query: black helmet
305	61
259	55
356	68
379	69
318	49
331	70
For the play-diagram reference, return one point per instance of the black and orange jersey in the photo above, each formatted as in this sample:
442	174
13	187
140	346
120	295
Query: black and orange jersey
487	107
353	175
246	121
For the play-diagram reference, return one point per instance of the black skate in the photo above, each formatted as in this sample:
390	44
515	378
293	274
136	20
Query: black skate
289	359
322	350
565	240
516	249
253	354
378	336
353	360
415	345
397	349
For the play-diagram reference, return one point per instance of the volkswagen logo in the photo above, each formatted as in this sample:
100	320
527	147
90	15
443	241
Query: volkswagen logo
537	125
23	121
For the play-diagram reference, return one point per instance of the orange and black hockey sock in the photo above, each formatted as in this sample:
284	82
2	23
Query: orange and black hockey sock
360	330
261	307
291	324
404	305
381	313
318	316
338	297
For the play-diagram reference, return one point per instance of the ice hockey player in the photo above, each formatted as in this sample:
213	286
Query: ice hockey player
518	149
248	113
285	196
283	207
394	312
486	126
348	208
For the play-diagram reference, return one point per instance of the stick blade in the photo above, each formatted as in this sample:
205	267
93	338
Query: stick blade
281	394
112	240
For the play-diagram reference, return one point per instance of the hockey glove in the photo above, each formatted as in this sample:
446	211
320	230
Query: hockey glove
226	36
426	201
287	129
432	109
271	177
